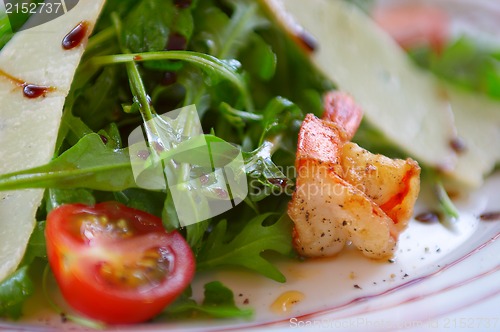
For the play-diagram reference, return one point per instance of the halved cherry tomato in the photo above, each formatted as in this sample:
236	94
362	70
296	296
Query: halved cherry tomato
116	264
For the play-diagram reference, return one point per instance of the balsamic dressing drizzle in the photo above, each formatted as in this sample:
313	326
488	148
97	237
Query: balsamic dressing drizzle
490	216
76	36
306	40
182	3
31	91
458	145
176	42
427	217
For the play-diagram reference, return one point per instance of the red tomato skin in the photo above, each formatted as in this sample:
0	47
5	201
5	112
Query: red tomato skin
85	292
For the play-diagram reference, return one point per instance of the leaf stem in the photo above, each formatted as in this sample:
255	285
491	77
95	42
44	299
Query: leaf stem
101	37
448	209
204	61
135	79
235	29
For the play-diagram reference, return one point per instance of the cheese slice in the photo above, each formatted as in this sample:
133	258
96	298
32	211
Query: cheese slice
29	126
398	98
410	106
478	124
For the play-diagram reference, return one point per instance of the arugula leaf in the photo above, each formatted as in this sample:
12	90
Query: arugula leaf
13	293
224	35
146	26
55	197
90	164
5	29
145	200
264	175
218	303
169	215
244	21
92	103
36	245
465	64
227	37
19	286
245	248
449	213
195	235
215	68
18	18
258	58
150	25
120	7
205	151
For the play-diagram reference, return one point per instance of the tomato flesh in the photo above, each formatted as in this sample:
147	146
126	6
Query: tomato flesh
116	264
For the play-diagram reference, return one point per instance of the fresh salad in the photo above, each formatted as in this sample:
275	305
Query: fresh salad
111	228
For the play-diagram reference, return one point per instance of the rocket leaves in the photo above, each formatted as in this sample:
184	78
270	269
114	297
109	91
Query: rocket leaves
89	163
246	247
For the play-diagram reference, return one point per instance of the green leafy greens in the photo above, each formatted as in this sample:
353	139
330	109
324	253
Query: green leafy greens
218	302
245	248
14	291
465	64
154	56
251	85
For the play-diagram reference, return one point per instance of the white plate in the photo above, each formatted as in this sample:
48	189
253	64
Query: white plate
439	275
441	279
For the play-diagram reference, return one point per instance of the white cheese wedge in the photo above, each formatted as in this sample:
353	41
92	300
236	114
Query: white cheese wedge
410	106
398	98
28	127
478	124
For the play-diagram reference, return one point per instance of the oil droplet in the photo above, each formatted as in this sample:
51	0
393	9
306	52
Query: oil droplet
286	301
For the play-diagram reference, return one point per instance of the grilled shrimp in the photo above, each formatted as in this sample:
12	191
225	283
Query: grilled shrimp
345	193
